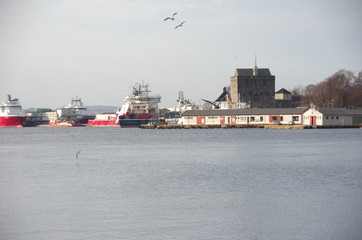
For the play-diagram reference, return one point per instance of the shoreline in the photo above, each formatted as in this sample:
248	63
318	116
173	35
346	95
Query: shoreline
266	126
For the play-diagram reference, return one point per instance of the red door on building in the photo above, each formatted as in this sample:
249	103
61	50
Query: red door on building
222	119
313	120
274	119
200	120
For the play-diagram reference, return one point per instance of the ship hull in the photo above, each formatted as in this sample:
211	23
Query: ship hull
12	121
85	119
133	122
102	123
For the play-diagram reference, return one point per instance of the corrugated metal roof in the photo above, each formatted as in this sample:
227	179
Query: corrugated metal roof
257	111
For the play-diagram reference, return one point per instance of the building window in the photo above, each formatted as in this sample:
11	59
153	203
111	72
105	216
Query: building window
261	119
327	117
281	118
332	117
252	119
274	118
295	118
337	117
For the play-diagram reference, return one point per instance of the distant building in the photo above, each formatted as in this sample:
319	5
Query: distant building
316	116
283	99
244	116
223	101
254	86
301	116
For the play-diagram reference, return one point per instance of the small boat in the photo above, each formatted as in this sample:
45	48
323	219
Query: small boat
11	113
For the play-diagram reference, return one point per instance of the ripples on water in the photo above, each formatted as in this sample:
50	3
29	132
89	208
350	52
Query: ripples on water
180	184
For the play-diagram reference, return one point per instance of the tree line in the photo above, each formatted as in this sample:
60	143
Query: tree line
342	89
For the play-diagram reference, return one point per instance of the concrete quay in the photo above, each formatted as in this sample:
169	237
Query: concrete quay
267	126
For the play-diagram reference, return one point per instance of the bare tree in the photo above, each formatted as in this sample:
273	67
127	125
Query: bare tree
309	92
338	90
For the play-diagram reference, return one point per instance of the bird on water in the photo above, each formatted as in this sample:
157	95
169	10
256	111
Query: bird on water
77	154
171	18
180	25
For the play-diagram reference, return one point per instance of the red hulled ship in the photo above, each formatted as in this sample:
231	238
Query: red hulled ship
11	113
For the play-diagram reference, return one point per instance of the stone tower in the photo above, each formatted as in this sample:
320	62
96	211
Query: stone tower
254	86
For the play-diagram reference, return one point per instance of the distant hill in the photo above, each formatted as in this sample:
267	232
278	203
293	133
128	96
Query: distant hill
102	109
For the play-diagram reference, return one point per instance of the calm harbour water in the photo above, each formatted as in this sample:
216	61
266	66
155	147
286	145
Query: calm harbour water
180	184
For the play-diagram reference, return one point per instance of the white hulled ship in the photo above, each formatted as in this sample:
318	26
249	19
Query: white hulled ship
174	114
11	113
139	107
81	112
71	115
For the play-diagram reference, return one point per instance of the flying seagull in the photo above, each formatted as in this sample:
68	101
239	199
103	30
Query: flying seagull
77	154
217	106
172	18
180	25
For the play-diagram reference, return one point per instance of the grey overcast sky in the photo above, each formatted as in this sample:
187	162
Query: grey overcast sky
53	50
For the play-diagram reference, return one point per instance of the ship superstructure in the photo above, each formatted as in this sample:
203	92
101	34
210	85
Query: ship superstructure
174	115
81	111
11	113
75	113
139	107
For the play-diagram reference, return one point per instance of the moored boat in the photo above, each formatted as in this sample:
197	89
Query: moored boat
64	124
140	107
103	120
73	115
173	117
11	113
81	111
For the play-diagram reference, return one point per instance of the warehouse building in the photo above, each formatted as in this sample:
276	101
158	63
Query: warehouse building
301	116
